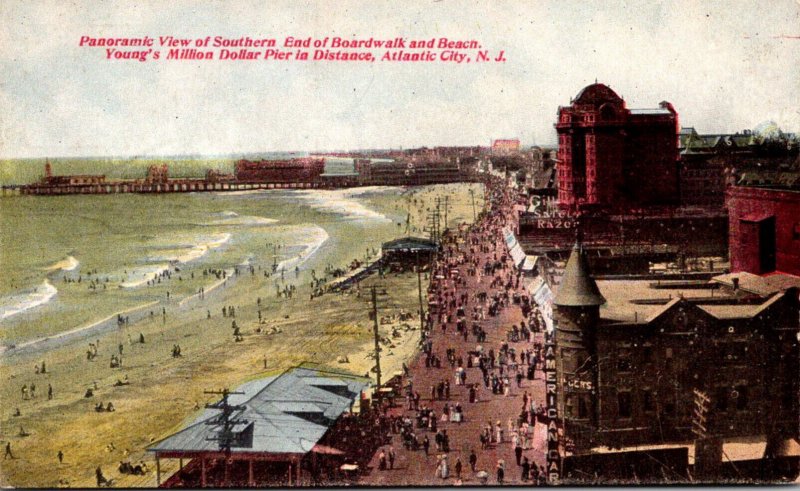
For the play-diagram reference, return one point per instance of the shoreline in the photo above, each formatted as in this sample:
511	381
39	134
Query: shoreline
166	390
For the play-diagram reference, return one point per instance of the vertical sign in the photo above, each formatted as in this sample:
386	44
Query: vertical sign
551	402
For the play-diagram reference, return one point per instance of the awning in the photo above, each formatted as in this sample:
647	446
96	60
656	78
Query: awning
529	263
758	216
326	450
517	254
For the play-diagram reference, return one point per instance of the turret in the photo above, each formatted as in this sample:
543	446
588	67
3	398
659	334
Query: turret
576	313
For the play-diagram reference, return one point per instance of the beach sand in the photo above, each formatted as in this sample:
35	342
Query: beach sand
165	393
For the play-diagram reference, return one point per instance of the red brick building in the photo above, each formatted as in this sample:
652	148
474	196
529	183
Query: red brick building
612	156
764	229
505	146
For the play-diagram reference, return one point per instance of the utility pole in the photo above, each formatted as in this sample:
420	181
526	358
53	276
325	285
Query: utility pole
377	337
472	195
226	421
419	289
446	207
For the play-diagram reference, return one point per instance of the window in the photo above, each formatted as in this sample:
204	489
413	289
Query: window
788	396
583	408
668	354
647	401
734	353
624	361
624	404
722	398
741	397
647	354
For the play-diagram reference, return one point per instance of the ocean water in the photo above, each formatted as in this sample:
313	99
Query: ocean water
71	261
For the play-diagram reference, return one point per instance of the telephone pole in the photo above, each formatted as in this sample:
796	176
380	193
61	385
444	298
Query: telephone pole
377	337
472	195
226	421
419	288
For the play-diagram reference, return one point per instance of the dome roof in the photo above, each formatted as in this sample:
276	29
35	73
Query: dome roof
597	94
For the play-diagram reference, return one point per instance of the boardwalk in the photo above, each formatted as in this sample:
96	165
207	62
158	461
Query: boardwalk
473	250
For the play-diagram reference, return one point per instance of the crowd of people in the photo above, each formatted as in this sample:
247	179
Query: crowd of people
474	289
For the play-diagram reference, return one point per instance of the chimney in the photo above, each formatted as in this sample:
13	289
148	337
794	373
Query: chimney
735	284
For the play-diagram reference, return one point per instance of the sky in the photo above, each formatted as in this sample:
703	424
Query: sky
725	66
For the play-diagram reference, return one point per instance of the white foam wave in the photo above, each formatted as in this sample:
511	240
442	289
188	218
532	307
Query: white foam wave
233	219
69	263
140	276
312	239
174	254
26	300
342	202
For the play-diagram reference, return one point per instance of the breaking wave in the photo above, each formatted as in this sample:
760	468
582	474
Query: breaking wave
233	219
69	263
311	239
171	256
26	300
342	202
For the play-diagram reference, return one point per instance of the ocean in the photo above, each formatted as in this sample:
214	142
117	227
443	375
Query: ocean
72	262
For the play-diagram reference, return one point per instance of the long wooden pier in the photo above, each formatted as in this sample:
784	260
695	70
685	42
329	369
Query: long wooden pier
172	186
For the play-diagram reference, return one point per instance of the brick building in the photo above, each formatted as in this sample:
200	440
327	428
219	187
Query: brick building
764	225
505	146
632	357
609	155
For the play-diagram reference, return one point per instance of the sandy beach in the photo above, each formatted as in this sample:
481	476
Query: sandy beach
165	391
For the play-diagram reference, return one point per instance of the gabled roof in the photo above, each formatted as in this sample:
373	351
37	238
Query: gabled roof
289	413
578	288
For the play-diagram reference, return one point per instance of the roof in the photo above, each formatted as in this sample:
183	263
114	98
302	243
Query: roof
578	288
657	110
287	413
760	285
597	94
412	243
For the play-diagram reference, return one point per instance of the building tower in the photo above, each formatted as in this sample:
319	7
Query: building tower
612	156
576	313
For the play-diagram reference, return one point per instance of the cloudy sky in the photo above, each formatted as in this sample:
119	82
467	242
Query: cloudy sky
725	66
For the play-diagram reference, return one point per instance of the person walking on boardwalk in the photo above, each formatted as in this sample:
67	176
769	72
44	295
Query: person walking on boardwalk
501	471
458	467
473	460
526	469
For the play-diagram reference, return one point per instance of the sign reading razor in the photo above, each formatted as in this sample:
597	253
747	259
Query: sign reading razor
551	404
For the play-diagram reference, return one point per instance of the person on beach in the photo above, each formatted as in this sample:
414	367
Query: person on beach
8	453
60	457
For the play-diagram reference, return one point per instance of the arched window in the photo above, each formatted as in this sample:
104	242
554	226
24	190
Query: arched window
607	113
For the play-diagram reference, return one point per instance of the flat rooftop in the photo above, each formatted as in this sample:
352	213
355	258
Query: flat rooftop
621	297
